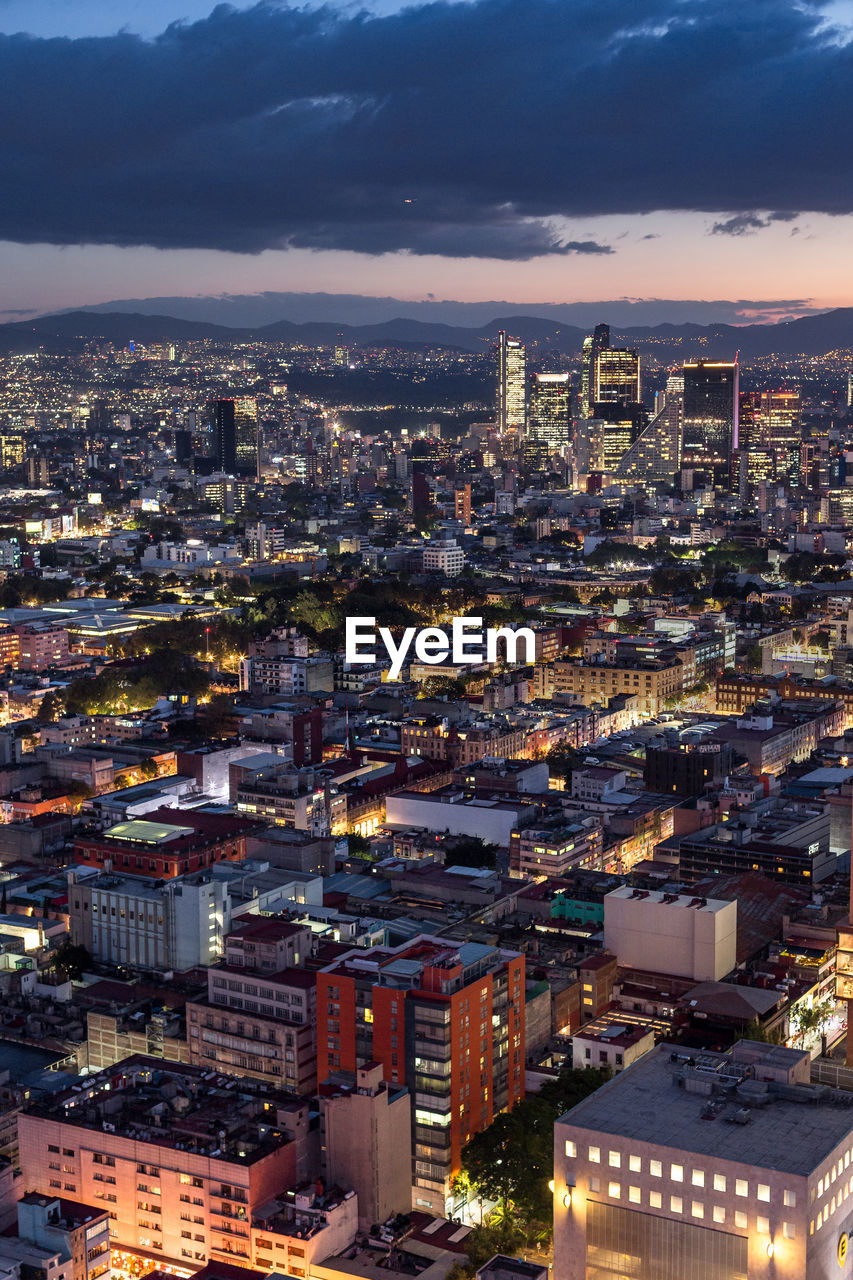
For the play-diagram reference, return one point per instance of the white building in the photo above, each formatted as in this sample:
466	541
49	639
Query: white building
705	1165
671	933
443	556
131	920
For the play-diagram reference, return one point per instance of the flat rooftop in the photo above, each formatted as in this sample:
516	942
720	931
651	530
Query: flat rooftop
791	1128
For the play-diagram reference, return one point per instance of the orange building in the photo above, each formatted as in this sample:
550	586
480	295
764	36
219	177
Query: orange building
448	1021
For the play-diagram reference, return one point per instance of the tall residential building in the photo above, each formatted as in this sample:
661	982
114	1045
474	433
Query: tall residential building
551	409
448	1021
592	345
511	399
367	1132
710	416
714	1165
246	450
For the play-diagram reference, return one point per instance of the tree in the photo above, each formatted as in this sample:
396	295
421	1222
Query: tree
562	760
471	851
512	1161
50	708
148	769
72	959
754	657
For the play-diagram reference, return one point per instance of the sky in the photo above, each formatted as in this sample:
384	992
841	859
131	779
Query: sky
527	150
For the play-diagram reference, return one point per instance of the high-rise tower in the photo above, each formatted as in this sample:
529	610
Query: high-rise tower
710	416
550	409
511	398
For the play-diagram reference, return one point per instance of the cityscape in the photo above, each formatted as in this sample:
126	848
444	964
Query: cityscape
426	722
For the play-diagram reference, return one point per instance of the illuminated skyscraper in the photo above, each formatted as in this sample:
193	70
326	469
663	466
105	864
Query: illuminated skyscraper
710	416
596	342
655	456
550	409
247	457
616	377
511	400
779	418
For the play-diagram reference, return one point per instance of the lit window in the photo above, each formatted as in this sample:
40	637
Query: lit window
719	1213
656	1168
614	1190
719	1182
762	1226
740	1219
697	1209
595	1155
635	1195
763	1192
615	1160
676	1172
571	1149
675	1204
698	1178
635	1164
789	1231
820	1187
789	1199
741	1187
655	1200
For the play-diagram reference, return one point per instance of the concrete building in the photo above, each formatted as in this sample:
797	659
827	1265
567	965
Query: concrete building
669	933
610	1045
130	920
367	1129
556	850
78	1233
712	1165
181	1159
449	810
257	1024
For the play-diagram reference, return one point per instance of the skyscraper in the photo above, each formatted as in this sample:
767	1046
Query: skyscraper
596	342
511	399
779	419
655	456
247	457
616	377
710	416
223	430
550	408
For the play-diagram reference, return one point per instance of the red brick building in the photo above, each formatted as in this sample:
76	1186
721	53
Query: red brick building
166	843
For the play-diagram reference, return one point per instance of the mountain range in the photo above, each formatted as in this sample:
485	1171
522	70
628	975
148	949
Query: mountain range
807	335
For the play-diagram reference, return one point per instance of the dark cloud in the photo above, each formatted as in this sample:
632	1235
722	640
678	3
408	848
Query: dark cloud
743	224
449	128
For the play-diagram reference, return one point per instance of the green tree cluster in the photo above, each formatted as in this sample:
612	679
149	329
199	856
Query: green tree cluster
512	1162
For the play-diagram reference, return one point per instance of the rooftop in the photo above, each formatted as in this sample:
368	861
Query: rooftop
671	1098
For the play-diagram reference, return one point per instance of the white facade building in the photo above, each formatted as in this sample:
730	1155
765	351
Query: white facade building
670	933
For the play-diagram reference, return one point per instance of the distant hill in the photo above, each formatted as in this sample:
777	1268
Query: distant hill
809	335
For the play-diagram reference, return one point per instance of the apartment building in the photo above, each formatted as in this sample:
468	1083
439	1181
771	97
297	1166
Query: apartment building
652	681
555	851
436	739
180	1158
445	1019
261	1025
